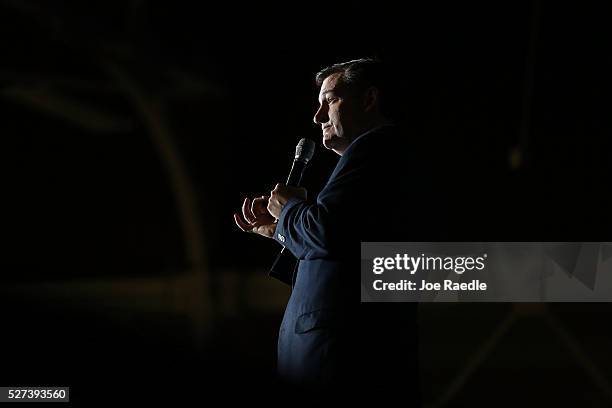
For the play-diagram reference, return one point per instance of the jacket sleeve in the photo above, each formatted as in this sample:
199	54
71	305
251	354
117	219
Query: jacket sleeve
320	230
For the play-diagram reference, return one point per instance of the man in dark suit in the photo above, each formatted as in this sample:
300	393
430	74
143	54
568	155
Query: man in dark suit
328	339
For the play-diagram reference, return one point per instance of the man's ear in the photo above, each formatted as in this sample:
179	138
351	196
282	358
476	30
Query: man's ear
371	99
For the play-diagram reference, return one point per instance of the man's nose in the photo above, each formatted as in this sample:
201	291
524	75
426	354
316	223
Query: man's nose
320	115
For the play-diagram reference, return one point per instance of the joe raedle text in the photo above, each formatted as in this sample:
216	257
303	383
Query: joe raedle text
413	264
447	284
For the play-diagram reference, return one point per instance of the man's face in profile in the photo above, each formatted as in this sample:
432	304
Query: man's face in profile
338	114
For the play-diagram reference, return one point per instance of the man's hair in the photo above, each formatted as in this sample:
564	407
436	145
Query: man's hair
360	74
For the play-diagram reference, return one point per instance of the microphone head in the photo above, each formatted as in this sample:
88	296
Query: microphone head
304	150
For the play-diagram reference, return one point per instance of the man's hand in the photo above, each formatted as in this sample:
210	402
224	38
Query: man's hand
258	219
280	195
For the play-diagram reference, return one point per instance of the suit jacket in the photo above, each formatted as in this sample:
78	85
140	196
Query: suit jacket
328	339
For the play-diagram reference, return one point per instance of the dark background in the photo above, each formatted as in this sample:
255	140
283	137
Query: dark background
132	130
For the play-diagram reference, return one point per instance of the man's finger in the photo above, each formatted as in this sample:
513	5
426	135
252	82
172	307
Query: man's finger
258	207
246	211
241	224
278	186
273	205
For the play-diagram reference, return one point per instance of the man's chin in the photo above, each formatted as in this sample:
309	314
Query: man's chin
335	143
329	141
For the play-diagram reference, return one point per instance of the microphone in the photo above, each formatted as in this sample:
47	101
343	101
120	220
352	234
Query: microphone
285	263
303	153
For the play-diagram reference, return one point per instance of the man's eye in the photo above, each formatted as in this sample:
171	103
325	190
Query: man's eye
332	100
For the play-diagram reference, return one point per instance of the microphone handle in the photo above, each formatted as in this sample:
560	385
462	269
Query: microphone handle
295	175
285	263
